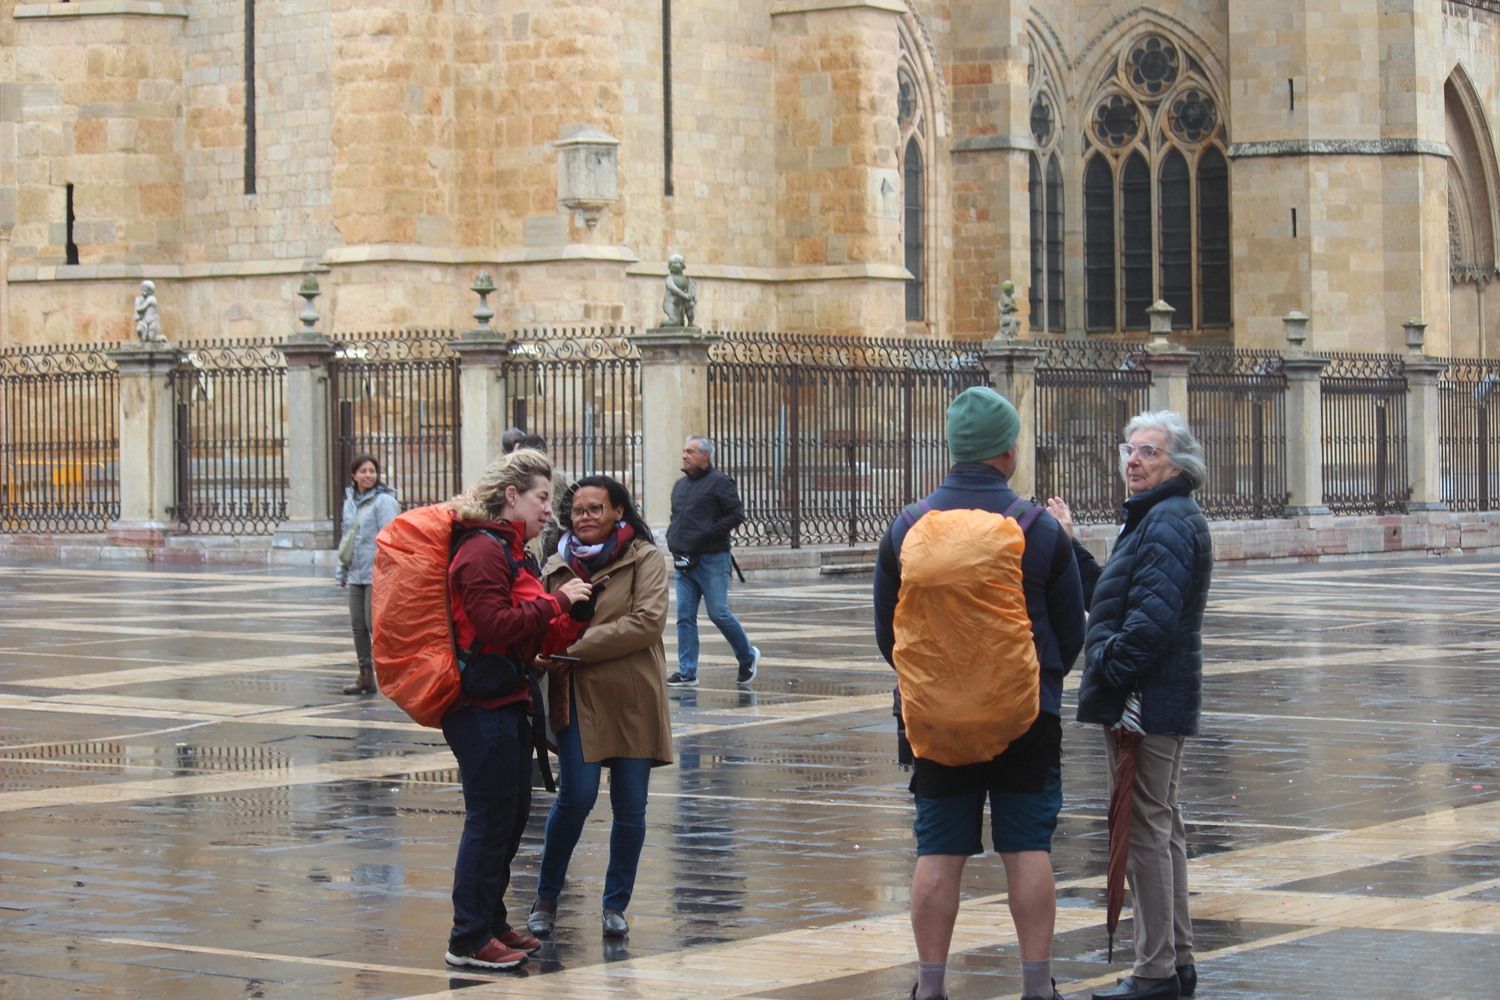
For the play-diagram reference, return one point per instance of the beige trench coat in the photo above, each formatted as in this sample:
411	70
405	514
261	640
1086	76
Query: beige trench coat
619	687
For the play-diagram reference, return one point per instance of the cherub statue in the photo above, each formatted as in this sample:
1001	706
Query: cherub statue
682	293
147	319
1010	320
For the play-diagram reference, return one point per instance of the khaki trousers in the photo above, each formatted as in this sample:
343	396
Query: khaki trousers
1157	870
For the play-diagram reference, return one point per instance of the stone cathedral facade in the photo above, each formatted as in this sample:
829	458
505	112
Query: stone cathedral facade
830	166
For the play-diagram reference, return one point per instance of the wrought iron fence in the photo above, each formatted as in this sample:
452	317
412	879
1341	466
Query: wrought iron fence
581	391
1469	433
1237	409
60	443
396	397
1364	434
1086	391
230	437
828	437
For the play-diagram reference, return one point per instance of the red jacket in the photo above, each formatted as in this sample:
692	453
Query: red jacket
507	613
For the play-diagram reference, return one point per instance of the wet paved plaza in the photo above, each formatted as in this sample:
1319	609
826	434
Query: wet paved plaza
188	808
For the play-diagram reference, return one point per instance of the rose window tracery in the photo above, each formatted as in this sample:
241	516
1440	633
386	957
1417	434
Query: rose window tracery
1192	116
1153	66
1041	120
1117	121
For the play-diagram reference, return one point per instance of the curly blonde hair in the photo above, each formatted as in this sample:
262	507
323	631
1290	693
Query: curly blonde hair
486	501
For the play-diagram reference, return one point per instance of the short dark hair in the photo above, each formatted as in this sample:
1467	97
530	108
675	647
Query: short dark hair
534	441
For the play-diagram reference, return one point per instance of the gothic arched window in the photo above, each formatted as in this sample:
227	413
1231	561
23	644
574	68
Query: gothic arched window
914	120
1156	193
1045	178
911	228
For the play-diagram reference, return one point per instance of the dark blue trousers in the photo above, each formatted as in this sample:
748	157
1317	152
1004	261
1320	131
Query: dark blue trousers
493	748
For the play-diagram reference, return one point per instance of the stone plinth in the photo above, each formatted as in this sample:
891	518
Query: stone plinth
309	522
148	473
482	399
1304	433
674	405
1011	365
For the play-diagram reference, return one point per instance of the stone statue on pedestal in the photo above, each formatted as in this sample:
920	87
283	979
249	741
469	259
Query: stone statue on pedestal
1010	318
682	293
147	318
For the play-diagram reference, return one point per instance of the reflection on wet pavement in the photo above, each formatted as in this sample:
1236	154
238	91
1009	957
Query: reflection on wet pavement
188	808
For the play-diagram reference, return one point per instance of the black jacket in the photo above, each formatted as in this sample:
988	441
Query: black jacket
706	507
1146	619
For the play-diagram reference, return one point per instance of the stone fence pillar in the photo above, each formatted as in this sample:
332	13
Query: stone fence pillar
147	444
1423	420
674	405
1168	364
1304	421
482	354
1011	365
309	521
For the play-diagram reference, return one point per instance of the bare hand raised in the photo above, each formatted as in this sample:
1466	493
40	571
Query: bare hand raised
1059	509
576	590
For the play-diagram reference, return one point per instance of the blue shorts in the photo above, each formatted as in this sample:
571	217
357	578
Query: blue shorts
1019	821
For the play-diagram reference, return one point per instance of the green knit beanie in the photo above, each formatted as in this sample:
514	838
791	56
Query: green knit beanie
981	425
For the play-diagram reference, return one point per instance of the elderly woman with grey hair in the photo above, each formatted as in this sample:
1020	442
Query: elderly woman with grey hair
1143	674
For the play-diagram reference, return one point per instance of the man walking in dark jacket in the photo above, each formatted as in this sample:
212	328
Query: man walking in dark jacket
706	507
1024	783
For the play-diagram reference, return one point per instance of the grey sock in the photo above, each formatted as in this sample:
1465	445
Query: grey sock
930	979
1036	979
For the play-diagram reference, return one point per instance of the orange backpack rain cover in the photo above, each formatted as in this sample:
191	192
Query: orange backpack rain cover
970	683
415	660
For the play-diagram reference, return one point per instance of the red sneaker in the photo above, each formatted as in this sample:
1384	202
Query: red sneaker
520	940
493	955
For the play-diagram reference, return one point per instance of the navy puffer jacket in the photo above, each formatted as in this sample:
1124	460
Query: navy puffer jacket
1146	622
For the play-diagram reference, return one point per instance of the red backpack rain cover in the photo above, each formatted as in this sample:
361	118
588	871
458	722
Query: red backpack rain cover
416	662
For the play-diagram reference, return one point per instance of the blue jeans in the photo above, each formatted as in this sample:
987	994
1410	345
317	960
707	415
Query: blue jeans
493	748
577	788
708	579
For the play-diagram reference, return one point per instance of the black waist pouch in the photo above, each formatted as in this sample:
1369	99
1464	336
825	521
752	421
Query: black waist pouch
484	676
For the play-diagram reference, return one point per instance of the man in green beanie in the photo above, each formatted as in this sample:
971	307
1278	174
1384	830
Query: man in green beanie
1023	783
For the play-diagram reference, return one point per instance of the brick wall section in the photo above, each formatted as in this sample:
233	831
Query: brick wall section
289	216
100	109
835	100
392	78
991	212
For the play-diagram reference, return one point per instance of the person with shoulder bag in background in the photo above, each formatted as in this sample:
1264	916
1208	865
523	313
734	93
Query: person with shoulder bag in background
369	505
706	507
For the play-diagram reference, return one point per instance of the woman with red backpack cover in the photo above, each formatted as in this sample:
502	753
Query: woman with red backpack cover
502	619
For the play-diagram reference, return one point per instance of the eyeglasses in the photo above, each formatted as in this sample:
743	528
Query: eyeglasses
593	510
1146	451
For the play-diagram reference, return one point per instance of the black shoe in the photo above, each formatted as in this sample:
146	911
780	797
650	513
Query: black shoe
914	994
1129	989
749	670
614	924
677	679
1187	979
542	918
1055	995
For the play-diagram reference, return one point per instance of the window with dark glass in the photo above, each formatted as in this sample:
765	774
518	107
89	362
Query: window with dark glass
1135	240
1213	237
1038	246
1099	244
912	219
1054	246
1176	201
1156	193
